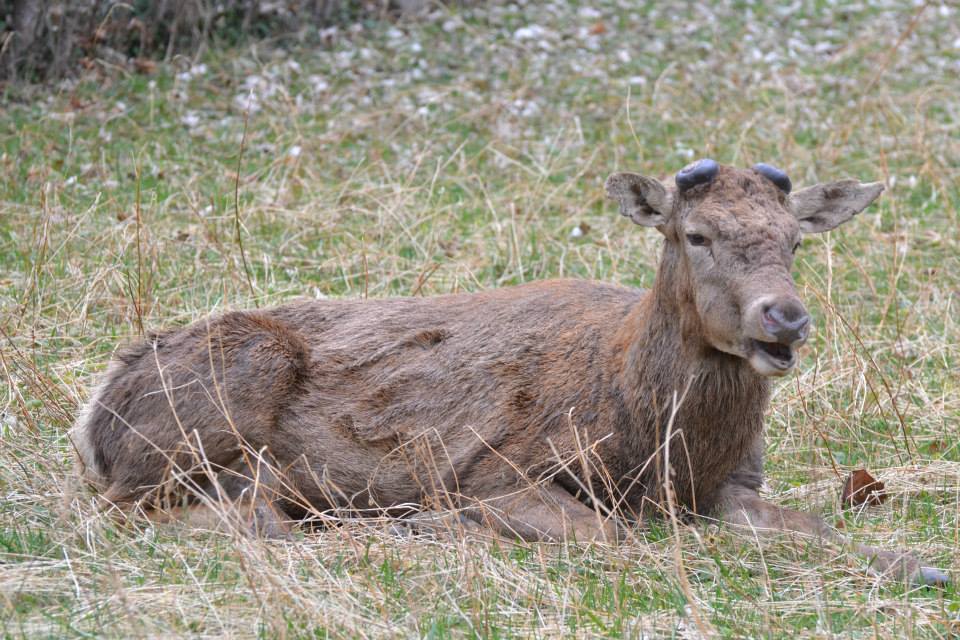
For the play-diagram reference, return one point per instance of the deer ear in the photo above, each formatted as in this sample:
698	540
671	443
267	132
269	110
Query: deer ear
826	206
644	200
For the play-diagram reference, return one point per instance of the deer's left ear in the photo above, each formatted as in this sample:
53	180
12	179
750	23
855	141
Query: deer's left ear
826	206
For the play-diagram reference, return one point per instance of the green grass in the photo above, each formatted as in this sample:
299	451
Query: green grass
375	167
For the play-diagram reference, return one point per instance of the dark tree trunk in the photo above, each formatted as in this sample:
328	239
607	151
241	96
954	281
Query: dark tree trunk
26	22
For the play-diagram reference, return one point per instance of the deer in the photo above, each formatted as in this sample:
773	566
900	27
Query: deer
559	410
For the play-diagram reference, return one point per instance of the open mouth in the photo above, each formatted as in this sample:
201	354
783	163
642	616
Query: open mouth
775	355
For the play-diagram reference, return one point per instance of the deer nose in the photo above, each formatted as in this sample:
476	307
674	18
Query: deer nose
787	321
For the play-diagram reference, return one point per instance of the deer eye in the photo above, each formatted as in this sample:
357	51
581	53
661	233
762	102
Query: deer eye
697	240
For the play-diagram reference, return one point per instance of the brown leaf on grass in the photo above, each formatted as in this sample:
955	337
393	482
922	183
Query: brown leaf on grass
77	104
862	488
937	446
598	29
144	66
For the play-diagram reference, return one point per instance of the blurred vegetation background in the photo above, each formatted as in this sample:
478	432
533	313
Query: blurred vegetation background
50	39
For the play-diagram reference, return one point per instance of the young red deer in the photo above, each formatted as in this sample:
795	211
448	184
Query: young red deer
545	411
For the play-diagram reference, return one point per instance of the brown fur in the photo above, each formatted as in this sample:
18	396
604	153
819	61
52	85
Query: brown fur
527	407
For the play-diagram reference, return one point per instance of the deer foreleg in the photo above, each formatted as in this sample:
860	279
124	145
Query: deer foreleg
742	506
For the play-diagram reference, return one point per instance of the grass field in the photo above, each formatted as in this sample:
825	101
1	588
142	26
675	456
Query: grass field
458	153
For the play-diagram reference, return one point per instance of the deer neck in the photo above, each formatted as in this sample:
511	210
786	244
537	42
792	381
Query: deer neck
670	378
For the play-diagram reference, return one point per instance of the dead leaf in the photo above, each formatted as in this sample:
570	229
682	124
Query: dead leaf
862	488
144	66
937	446
598	29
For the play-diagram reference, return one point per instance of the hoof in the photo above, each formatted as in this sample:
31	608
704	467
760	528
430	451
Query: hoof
930	577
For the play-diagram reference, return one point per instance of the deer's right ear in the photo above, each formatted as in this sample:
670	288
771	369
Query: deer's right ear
642	199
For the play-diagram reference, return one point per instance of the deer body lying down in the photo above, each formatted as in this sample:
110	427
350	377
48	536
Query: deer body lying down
539	410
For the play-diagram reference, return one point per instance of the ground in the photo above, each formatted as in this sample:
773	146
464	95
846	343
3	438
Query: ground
457	152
